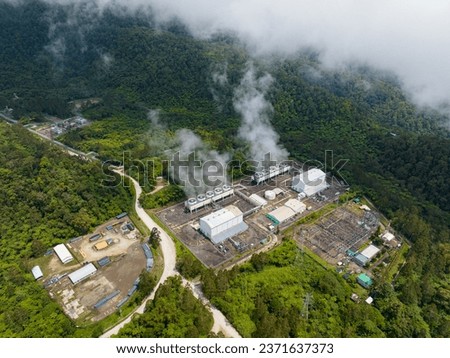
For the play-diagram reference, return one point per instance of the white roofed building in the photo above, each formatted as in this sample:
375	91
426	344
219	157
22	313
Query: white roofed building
295	205
291	208
257	200
388	236
370	251
37	272
223	224
310	182
63	253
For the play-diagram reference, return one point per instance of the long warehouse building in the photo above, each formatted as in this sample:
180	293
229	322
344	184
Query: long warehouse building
223	224
82	273
63	253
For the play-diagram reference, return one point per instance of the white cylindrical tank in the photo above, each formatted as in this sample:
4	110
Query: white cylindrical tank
270	195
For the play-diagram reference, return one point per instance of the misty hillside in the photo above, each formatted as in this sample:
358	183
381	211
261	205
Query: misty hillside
399	153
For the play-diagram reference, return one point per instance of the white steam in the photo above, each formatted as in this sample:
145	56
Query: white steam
256	129
208	170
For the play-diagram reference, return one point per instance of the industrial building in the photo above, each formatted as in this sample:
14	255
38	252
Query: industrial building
282	214
37	272
223	224
266	174
63	253
364	280
82	273
310	183
370	251
366	255
388	236
209	197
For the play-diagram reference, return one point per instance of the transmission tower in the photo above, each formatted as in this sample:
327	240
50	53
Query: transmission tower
307	302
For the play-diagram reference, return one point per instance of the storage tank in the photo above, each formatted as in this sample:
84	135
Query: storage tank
209	194
270	195
226	187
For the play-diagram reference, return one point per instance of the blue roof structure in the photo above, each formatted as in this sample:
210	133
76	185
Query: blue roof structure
104	300
104	261
120	216
360	259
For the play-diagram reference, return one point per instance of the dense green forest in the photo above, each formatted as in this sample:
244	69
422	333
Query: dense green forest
47	198
174	312
399	154
267	297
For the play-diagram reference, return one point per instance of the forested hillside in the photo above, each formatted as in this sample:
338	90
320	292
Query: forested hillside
399	154
174	313
47	197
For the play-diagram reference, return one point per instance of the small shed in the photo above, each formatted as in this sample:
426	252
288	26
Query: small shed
101	245
388	236
360	260
364	280
104	261
37	272
121	216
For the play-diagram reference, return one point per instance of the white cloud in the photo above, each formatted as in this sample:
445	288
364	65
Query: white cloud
409	37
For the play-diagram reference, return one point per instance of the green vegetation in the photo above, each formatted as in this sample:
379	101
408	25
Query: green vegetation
398	154
187	264
167	196
174	313
266	298
48	197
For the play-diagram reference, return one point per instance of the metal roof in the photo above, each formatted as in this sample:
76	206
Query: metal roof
82	273
310	182
37	272
388	236
370	251
104	261
258	200
63	253
221	216
281	214
278	191
295	205
312	176
365	279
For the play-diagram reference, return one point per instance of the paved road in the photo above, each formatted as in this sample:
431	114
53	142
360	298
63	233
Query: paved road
221	324
167	248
